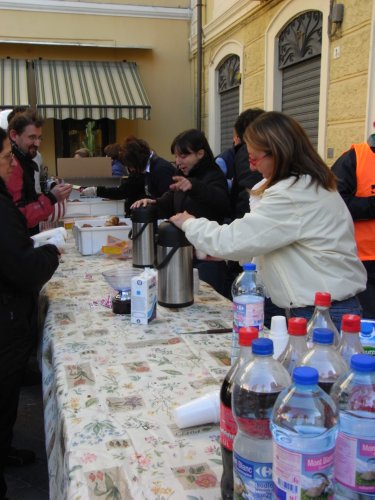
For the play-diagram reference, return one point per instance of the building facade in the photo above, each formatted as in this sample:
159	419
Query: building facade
313	60
89	35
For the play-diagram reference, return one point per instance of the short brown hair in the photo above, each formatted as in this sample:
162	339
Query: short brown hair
114	151
136	153
21	120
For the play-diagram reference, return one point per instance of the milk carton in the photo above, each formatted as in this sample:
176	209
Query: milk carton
367	336
143	297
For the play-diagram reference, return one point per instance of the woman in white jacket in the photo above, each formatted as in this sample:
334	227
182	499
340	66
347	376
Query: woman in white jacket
301	232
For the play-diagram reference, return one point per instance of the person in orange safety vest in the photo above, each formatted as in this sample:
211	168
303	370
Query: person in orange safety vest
355	170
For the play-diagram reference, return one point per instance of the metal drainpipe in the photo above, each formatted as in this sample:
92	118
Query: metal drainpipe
199	65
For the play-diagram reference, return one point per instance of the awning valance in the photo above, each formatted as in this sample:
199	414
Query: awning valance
13	83
90	89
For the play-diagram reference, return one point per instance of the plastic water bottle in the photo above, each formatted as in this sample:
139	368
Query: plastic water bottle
255	390
278	333
350	343
321	318
354	394
248	304
325	358
228	426
304	427
296	346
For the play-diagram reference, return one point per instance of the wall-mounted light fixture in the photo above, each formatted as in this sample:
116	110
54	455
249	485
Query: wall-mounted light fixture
335	19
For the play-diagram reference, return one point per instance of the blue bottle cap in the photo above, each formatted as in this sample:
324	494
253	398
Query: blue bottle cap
262	347
362	363
366	329
249	266
305	375
323	336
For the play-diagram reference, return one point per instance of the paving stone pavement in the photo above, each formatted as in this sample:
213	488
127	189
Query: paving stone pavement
29	482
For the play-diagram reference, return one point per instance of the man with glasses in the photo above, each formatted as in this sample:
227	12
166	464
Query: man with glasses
25	133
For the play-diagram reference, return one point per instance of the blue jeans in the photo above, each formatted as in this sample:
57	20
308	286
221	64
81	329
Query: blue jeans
337	309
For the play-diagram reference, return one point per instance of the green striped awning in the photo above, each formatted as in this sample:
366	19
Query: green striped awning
90	89
13	83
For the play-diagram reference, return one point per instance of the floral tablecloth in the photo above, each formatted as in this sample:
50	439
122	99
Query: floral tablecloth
110	388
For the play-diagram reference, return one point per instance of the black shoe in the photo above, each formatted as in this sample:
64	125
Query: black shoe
18	458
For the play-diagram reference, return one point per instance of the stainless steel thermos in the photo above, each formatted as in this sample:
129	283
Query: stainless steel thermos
175	267
142	234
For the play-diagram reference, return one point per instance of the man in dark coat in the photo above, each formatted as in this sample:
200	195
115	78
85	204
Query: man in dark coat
23	271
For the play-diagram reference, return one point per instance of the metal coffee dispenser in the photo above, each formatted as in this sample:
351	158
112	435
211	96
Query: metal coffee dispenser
142	234
175	267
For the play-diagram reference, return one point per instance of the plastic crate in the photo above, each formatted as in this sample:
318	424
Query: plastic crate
89	240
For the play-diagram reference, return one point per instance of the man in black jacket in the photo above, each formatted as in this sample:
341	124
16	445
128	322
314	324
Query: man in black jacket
243	178
23	271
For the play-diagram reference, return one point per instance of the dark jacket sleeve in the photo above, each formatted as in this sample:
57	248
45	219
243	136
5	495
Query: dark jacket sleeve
361	208
212	192
133	186
165	205
23	268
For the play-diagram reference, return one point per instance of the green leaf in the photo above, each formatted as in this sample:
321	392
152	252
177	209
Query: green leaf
172	372
108	482
91	402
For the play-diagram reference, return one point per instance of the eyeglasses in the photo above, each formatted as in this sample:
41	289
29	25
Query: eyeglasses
254	161
35	138
7	157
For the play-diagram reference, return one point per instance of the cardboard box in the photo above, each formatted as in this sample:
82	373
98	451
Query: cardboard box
89	240
144	297
100	166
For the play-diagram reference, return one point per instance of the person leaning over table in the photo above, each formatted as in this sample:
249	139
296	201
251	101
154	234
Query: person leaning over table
149	175
301	232
199	187
23	271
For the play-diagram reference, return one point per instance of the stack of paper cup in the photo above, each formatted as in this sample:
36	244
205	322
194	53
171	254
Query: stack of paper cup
200	411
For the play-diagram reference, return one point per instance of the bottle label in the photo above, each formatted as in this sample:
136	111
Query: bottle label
355	463
302	475
228	427
256	427
248	313
251	480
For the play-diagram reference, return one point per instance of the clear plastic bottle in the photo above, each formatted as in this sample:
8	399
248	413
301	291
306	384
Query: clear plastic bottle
304	426
248	304
325	358
354	393
278	333
228	426
350	343
321	318
255	390
296	346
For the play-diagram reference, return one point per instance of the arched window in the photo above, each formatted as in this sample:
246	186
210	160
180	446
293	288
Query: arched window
229	82
299	60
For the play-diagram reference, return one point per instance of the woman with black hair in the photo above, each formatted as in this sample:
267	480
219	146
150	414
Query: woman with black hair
200	188
149	175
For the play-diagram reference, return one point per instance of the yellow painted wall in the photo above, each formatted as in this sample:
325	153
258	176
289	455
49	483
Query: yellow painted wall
164	64
348	75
